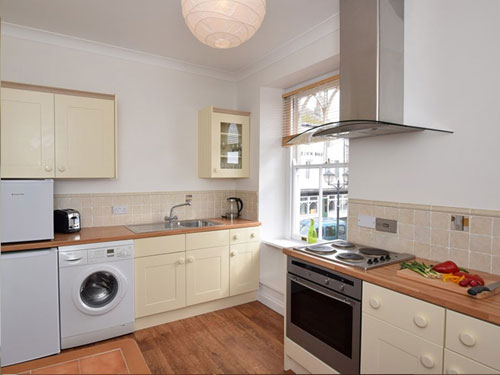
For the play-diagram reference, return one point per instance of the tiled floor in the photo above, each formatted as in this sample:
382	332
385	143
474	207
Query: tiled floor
117	357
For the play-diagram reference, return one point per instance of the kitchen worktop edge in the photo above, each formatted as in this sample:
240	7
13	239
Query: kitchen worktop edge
119	233
487	309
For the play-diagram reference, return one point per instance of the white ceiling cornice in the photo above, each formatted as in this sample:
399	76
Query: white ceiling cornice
328	26
315	33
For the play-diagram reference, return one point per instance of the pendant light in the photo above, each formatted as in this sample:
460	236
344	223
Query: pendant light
223	23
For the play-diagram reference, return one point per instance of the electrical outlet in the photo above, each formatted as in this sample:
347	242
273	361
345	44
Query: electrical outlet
386	225
366	221
119	210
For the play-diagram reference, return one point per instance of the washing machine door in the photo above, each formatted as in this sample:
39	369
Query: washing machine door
99	289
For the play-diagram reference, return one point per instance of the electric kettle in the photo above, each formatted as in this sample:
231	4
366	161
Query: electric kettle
234	207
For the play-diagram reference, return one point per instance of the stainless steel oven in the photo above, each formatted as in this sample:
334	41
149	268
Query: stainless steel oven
324	314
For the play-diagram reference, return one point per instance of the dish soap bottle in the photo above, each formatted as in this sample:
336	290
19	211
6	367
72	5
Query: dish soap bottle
312	237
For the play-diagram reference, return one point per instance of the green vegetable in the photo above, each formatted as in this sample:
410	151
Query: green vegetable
421	269
463	269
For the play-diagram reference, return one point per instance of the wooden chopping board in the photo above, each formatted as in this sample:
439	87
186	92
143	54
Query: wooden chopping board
438	283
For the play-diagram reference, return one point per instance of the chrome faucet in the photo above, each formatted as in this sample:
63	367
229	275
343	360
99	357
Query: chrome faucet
171	218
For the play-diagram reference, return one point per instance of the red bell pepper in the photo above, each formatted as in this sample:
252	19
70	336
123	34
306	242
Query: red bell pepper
446	267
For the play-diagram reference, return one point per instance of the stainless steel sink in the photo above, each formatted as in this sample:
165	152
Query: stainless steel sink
159	227
197	223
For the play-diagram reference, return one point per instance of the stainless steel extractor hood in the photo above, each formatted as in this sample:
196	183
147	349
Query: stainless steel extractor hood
371	73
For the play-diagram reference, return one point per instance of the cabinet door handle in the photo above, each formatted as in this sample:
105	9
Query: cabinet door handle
467	339
252	235
235	237
233	253
374	303
427	361
181	261
452	371
190	259
48	168
216	170
61	168
420	321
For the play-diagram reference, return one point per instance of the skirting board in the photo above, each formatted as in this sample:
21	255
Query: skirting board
298	359
271	298
189	311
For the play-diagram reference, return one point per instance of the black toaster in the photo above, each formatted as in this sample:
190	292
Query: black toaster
67	221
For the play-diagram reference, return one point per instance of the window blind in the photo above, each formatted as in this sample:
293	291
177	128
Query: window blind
310	106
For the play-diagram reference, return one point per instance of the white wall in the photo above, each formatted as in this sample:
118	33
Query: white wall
452	59
157	112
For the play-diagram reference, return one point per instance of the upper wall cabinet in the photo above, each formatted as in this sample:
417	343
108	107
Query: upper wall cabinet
51	133
223	143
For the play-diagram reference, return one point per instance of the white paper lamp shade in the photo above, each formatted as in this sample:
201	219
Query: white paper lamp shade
223	23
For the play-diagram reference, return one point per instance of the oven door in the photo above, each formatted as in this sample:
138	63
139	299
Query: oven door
325	323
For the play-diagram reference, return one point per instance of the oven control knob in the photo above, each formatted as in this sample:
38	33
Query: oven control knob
382	258
375	260
387	257
369	261
327	281
341	287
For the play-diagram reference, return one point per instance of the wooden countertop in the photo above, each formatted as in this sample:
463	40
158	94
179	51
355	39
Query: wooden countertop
487	309
118	233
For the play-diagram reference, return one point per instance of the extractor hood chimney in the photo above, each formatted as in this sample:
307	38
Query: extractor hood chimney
371	73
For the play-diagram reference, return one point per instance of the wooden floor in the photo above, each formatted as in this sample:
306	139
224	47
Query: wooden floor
246	339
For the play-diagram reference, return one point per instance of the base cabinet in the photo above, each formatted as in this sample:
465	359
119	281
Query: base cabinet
386	349
160	283
244	268
457	364
207	274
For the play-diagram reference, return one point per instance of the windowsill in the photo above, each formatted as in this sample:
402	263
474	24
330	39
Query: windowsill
283	243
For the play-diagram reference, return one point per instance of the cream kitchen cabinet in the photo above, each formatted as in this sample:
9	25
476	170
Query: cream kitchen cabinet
27	134
457	364
160	274
160	283
223	143
55	133
244	260
207	266
387	349
400	334
474	339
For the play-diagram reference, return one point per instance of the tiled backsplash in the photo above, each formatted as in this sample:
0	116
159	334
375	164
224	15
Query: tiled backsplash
96	209
426	232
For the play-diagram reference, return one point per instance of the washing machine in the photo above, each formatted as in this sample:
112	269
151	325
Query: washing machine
96	287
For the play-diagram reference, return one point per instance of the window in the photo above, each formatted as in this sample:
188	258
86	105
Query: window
319	170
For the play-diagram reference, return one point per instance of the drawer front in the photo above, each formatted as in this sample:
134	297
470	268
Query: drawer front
456	364
473	338
386	349
204	240
243	235
159	245
413	315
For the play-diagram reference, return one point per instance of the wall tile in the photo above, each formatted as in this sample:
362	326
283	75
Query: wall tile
480	244
459	240
481	225
481	262
423	218
440	220
460	257
422	234
439	253
406	216
422	250
496	227
440	237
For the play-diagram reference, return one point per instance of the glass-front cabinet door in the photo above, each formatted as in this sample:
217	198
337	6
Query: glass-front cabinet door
223	143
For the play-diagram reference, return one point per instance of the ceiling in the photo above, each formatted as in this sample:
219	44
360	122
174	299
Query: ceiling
157	27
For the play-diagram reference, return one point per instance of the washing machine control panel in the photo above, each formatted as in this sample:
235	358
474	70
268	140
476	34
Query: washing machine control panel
109	253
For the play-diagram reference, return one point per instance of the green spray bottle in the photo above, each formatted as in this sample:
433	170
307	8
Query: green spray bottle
312	237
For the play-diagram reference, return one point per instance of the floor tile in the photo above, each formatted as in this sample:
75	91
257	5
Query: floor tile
59	368
106	363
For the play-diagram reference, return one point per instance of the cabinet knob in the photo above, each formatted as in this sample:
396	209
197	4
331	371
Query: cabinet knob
420	321
252	235
427	361
61	168
48	168
374	303
467	339
181	261
216	170
190	259
233	253
452	371
235	237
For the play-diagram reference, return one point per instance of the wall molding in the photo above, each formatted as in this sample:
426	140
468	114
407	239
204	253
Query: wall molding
315	33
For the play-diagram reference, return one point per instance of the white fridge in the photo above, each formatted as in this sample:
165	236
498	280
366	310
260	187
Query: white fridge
29	305
27	210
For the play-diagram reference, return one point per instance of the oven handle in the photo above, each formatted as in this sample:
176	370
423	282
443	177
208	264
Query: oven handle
305	285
